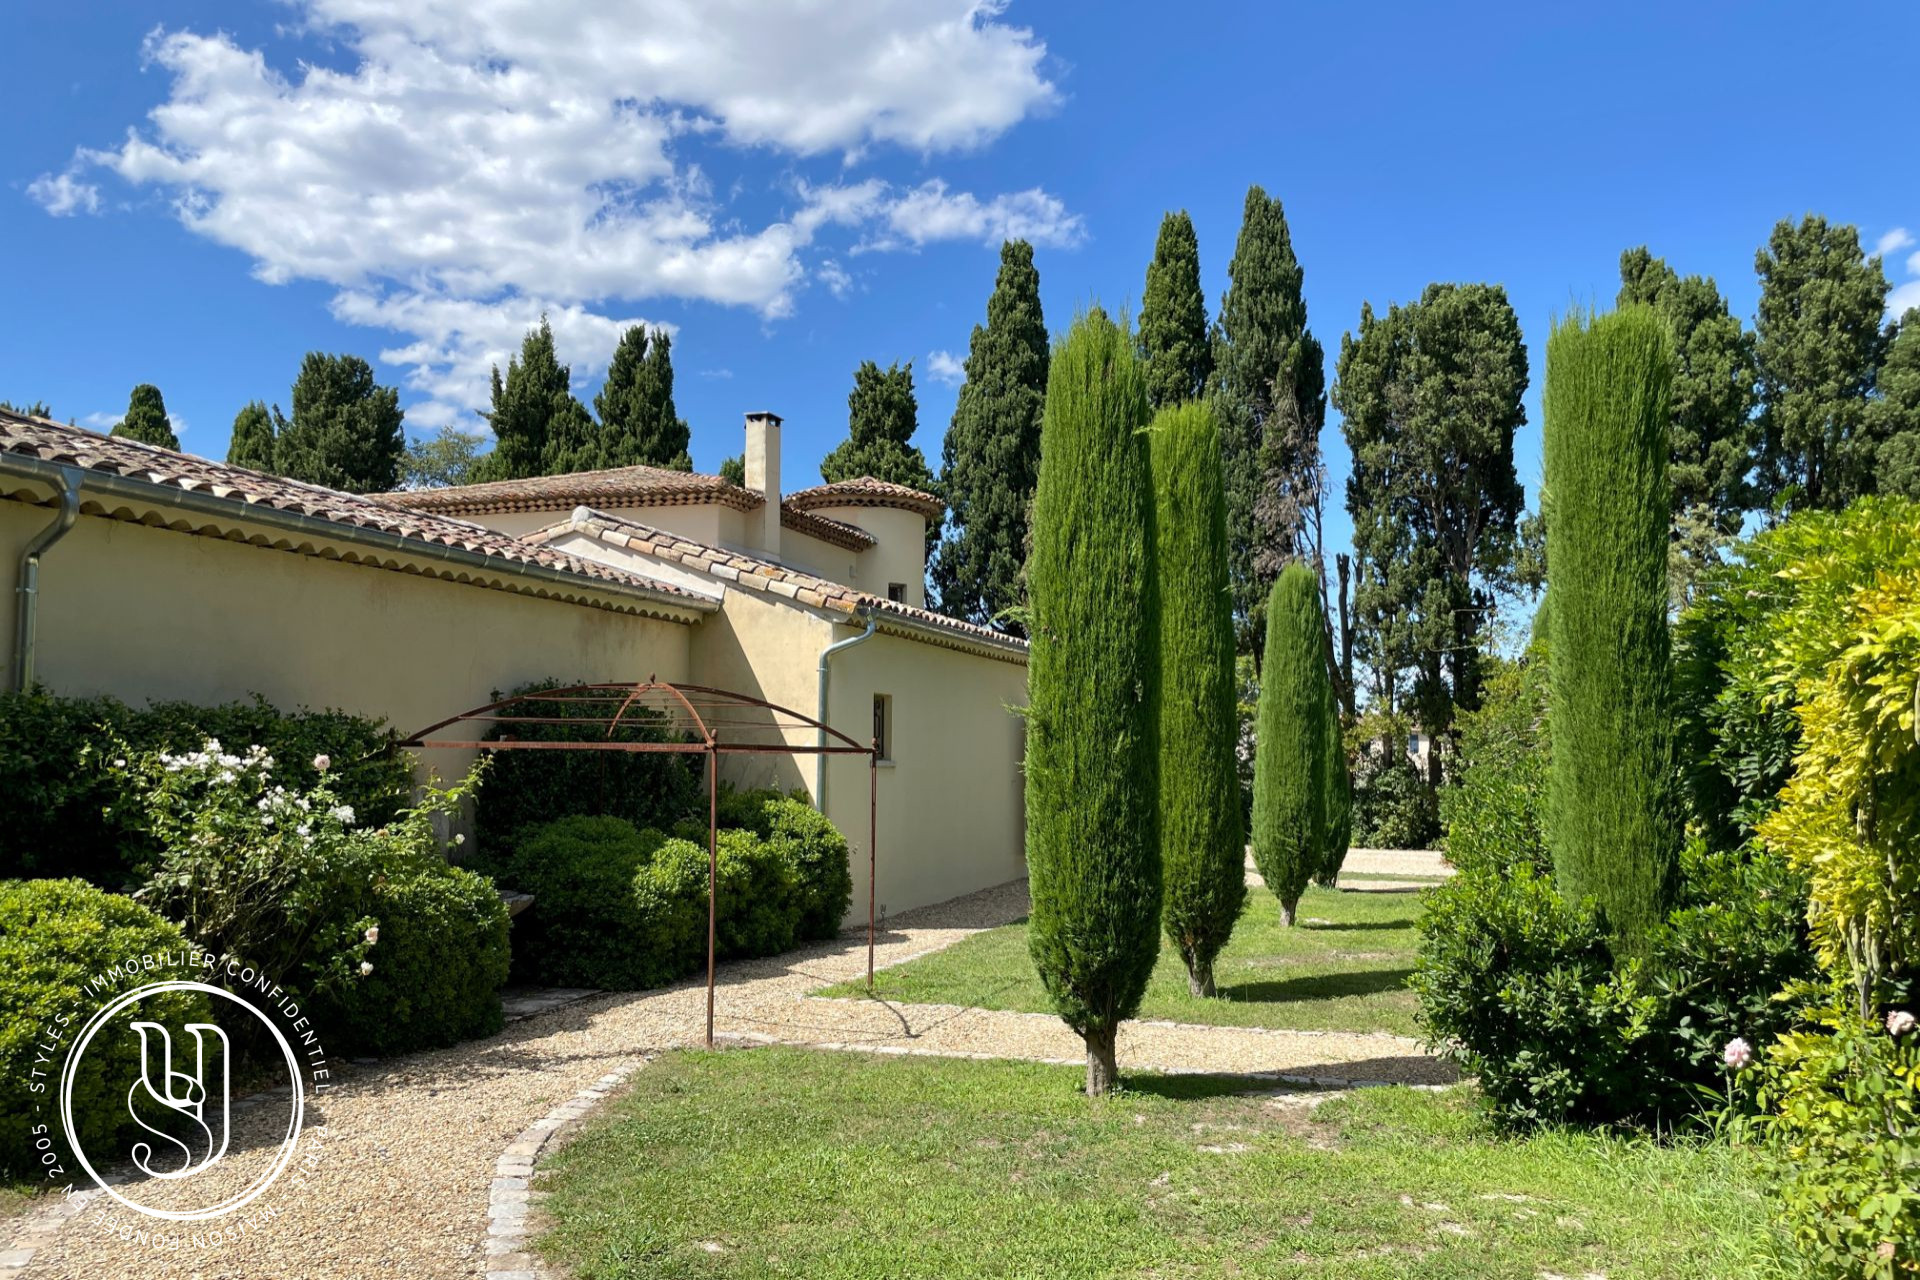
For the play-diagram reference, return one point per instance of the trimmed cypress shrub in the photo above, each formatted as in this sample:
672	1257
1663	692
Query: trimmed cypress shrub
1093	767
1612	827
1202	841
1290	753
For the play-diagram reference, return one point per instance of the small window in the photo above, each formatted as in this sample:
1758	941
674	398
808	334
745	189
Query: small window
897	592
883	724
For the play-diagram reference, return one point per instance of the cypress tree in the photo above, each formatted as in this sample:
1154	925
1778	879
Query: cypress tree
1270	389
345	432
1202	843
1173	317
1339	802
539	429
991	457
1092	768
1290	752
882	415
146	419
252	442
639	425
1611	823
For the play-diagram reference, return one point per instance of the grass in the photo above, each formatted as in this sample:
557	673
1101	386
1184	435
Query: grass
1343	969
790	1163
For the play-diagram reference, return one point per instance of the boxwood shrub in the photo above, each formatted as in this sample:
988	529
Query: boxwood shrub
54	936
806	839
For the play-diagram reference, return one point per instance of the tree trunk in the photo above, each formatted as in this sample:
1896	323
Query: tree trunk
1102	1071
1288	912
1199	979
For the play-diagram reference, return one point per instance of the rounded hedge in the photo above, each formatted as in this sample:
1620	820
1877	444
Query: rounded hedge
54	936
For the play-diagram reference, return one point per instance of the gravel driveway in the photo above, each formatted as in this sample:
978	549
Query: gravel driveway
405	1149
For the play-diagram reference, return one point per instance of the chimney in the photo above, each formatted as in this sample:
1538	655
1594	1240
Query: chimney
763	475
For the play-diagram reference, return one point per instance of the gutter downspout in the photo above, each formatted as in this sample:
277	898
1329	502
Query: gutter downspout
27	606
820	760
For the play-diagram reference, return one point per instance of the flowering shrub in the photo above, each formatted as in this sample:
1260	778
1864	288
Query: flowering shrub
1840	1123
391	947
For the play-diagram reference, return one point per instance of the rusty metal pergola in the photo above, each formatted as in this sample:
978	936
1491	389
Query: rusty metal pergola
679	719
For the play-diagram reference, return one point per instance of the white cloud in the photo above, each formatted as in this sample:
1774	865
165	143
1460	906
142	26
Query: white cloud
1913	265
64	195
102	421
1892	242
482	160
1904	298
931	212
835	277
946	367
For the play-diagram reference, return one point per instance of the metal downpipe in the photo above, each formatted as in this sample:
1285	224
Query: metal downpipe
826	654
27	588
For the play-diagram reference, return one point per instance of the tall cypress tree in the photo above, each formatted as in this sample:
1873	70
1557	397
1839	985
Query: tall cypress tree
1711	434
1202	843
1270	389
1339	800
539	429
1612	825
1173	317
1290	752
639	425
991	458
1093	767
882	415
1896	412
146	419
345	432
252	444
1818	342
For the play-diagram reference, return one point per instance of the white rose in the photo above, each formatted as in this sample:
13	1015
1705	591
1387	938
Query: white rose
366	967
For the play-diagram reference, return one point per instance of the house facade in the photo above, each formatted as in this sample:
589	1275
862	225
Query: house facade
156	575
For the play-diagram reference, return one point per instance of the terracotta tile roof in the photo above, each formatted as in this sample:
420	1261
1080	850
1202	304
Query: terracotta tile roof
617	487
621	487
867	492
241	488
754	574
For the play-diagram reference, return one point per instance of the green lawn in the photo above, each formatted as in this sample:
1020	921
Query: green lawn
790	1163
1343	969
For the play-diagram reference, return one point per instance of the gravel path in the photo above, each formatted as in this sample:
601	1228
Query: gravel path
398	1159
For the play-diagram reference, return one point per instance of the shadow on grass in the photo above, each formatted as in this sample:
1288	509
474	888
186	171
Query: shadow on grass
1355	926
1322	986
1400	1069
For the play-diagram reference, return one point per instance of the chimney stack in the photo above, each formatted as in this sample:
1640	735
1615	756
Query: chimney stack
763	475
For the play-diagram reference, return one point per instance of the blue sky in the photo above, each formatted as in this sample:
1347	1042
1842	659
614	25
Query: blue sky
198	199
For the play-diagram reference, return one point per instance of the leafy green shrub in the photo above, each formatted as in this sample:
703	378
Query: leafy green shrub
1393	807
291	880
815	851
759	900
1840	1122
1526	991
526	788
63	810
55	935
1492	807
438	958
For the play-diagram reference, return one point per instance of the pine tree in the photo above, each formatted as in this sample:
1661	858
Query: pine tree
639	425
1817	343
1173	317
991	458
539	429
1612	827
1269	385
252	444
882	415
34	409
345	432
1712	431
1290	752
146	419
1202	843
1092	768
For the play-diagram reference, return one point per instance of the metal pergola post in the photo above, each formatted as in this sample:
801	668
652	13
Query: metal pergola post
683	729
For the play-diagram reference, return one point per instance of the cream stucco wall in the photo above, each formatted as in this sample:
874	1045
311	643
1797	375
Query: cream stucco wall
145	613
900	556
